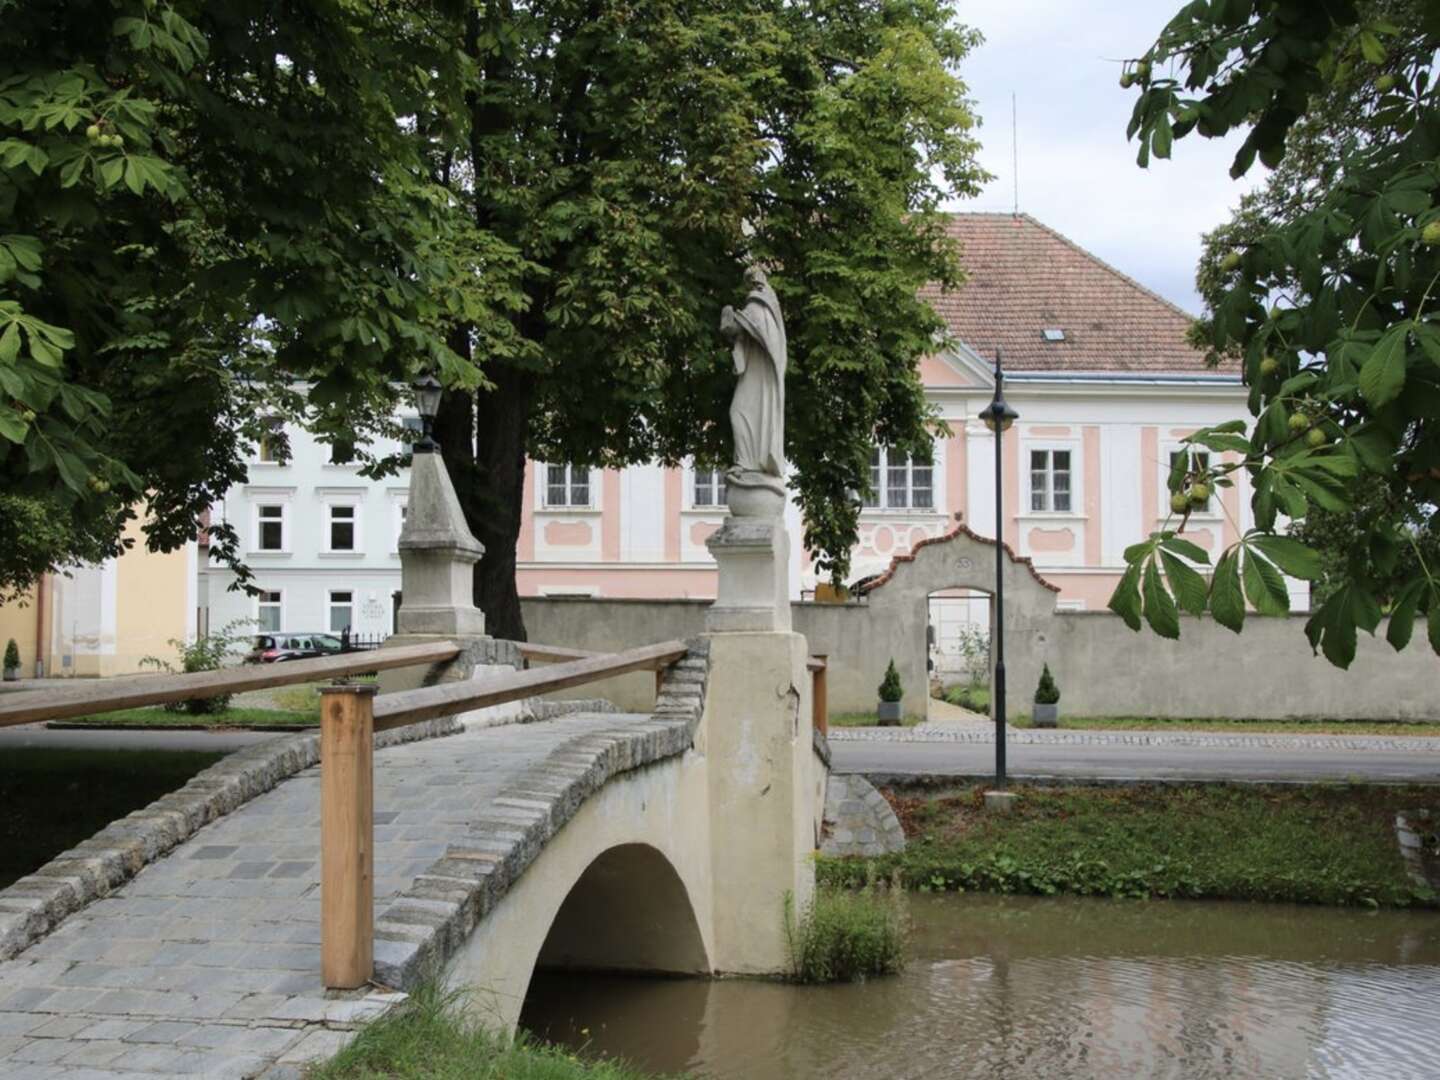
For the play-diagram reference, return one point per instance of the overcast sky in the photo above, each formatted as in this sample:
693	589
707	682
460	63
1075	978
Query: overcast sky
1077	172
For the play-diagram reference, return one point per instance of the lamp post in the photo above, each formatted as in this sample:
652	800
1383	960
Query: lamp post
998	416
427	401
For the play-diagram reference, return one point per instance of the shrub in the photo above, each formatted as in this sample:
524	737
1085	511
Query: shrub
890	688
1047	693
206	653
847	935
12	655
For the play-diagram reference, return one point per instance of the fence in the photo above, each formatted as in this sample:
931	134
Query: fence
350	714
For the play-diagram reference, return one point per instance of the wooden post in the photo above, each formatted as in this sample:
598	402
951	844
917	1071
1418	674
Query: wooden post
659	681
347	836
820	693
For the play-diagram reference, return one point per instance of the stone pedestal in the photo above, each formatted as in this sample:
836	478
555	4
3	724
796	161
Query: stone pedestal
752	552
438	554
763	801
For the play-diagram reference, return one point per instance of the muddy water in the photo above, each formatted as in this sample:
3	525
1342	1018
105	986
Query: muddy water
1013	987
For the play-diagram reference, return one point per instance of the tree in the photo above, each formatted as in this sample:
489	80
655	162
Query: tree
200	205
636	157
1327	300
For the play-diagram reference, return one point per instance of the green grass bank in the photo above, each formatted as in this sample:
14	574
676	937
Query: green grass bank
1317	844
233	718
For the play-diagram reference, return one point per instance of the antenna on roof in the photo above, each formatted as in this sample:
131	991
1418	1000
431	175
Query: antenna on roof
1015	152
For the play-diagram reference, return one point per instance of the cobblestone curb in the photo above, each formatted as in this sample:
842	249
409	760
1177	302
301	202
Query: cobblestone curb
34	905
424	927
858	820
1424	744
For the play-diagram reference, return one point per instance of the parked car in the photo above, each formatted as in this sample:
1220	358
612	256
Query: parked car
276	648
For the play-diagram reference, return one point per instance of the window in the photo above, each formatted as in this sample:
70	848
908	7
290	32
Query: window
268	611
567	485
401	512
1050	480
709	488
271	519
900	481
273	447
343	536
1201	462
414	429
342	611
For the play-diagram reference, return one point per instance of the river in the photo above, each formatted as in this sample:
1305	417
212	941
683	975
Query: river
1061	989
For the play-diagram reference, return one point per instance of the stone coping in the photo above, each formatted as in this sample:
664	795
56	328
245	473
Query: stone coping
424	927
37	903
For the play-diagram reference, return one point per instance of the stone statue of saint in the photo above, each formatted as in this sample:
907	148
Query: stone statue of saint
757	411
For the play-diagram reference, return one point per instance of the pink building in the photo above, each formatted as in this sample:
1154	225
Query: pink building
1106	386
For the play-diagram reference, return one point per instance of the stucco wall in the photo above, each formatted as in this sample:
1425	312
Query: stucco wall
17	620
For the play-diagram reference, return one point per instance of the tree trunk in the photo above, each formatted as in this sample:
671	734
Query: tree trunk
493	495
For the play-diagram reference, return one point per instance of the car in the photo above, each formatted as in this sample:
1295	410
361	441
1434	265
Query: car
273	648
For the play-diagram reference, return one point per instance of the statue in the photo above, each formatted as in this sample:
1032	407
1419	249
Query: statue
757	411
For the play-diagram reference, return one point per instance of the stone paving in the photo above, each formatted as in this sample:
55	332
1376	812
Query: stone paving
1419	744
207	962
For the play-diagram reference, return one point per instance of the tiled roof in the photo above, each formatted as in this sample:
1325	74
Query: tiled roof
1025	278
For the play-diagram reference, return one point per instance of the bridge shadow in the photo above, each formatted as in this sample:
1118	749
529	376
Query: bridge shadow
628	914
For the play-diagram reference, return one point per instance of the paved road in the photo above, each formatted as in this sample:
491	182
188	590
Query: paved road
37	735
1167	762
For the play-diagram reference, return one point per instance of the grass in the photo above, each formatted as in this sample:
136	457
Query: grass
846	935
430	1037
1240	727
861	719
974	698
50	800
230	718
1315	844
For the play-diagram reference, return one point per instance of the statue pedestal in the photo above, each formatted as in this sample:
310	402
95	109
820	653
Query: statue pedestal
753	555
438	554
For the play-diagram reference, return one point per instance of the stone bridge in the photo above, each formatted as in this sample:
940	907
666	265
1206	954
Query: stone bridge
185	939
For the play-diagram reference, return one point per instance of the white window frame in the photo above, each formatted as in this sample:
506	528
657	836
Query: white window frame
279	605
1212	510
398	511
284	505
331	605
880	460
1077	499
357	533
591	486
275	425
717	485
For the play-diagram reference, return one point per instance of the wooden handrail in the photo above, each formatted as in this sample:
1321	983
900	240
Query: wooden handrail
161	689
447	699
551	654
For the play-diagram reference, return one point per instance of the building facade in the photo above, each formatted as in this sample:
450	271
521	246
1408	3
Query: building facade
1097	366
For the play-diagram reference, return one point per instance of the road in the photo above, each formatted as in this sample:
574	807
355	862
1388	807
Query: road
37	735
1134	762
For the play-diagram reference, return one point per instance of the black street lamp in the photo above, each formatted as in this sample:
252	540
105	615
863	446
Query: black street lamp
427	401
998	416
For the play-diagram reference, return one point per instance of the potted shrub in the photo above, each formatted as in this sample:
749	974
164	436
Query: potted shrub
1047	701
12	661
888	711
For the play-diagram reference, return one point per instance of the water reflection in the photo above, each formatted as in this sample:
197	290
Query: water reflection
1015	987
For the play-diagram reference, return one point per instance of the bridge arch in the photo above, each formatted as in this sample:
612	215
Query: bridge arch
961	559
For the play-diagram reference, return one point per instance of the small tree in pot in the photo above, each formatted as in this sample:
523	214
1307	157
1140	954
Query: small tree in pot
12	661
888	711
1047	701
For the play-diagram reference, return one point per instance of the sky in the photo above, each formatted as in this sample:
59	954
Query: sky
1077	174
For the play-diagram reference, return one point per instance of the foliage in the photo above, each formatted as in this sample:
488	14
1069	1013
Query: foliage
201	204
431	1037
1047	693
890	688
1327	302
39	532
974	698
208	652
974	643
51	800
637	158
12	655
867	719
847	935
229	717
1312	845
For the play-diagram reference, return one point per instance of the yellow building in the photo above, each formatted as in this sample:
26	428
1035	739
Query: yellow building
104	619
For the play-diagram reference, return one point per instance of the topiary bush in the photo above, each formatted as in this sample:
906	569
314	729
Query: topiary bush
1047	693
847	935
12	656
890	688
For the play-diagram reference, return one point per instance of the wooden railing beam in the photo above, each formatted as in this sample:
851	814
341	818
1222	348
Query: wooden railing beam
447	699
553	654
98	696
